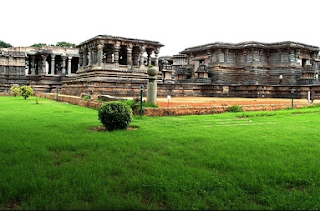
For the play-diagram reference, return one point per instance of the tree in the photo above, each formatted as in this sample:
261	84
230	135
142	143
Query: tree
26	91
66	44
38	45
4	44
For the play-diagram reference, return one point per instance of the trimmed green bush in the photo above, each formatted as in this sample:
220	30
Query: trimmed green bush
26	91
15	90
115	115
235	108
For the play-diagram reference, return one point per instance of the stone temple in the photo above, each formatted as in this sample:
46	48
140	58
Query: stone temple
112	65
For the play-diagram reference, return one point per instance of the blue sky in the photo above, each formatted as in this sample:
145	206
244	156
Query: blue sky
175	23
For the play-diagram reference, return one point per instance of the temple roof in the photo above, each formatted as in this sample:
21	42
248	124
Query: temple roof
250	44
111	37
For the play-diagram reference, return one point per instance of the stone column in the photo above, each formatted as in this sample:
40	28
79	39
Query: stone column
279	55
52	64
89	57
152	85
292	57
33	59
100	51
80	63
156	61
44	63
149	52
63	64
226	55
84	59
116	49
94	56
69	65
109	56
135	56
142	50
129	55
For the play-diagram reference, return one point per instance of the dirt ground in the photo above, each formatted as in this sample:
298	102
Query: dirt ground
217	101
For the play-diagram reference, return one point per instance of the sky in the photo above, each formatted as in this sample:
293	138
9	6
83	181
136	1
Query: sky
177	24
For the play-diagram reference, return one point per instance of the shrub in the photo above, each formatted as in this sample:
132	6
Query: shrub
15	90
235	108
115	115
131	103
86	97
26	91
147	104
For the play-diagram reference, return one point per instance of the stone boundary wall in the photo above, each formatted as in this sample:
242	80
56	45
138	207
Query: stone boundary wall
132	88
178	111
174	111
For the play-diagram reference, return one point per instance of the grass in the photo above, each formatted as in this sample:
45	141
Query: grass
51	157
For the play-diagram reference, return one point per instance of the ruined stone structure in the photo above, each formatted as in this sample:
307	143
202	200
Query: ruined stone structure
117	66
42	67
113	65
251	63
117	54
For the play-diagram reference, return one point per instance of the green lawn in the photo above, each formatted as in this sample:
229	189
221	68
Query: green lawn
52	157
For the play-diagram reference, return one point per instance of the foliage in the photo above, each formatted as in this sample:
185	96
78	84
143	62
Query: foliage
4	44
66	44
235	108
86	97
131	103
26	91
15	90
39	45
101	100
37	101
148	104
115	115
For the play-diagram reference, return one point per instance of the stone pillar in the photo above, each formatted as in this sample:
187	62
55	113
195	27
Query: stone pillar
149	52
80	63
100	51
109	56
116	49
69	65
44	63
52	64
89	57
129	55
84	59
226	55
135	56
156	61
63	65
33	59
292	57
152	85
279	55
142	50
94	56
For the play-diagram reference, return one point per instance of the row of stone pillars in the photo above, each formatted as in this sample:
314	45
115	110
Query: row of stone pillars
95	56
53	63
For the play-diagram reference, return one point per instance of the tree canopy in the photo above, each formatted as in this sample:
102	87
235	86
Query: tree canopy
38	45
4	44
66	44
59	44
